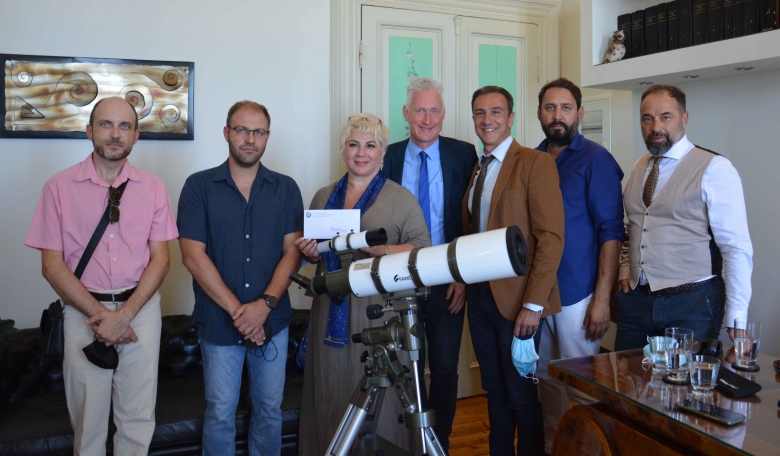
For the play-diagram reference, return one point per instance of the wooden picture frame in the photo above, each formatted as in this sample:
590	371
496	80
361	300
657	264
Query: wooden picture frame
53	97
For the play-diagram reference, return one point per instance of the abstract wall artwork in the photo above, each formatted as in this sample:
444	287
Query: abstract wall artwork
52	97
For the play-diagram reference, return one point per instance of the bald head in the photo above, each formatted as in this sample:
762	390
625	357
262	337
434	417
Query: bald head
114	106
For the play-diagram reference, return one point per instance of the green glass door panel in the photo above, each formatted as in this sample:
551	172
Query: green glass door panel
409	57
498	67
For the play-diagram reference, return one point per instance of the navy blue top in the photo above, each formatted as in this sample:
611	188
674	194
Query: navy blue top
593	205
244	241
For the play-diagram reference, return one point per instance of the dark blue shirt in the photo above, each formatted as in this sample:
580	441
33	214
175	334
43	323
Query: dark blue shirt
244	241
593	206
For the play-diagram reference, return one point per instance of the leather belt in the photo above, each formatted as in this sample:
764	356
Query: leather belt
680	289
484	284
122	296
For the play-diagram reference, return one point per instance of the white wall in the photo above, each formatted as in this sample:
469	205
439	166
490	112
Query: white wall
276	53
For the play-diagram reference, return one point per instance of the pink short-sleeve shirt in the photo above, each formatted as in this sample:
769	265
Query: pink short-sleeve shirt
70	208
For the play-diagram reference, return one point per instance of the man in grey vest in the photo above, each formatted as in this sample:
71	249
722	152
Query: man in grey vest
688	233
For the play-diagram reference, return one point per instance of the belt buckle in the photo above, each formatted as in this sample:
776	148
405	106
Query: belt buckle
113	298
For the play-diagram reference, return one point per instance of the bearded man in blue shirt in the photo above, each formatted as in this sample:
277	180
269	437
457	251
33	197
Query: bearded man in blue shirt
593	207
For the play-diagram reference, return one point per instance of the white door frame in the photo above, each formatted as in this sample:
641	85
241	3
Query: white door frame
345	26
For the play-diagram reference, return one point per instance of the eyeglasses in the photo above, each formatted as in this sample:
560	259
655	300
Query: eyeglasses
113	205
373	120
243	131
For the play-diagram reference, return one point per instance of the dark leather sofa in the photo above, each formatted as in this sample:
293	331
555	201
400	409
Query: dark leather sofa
34	417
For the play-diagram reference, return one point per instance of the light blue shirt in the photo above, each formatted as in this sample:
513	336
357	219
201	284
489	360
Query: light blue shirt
411	180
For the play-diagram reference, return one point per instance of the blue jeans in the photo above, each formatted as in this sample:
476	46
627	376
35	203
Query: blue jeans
513	400
222	366
443	332
641	314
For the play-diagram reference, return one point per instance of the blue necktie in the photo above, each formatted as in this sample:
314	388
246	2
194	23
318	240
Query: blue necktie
424	197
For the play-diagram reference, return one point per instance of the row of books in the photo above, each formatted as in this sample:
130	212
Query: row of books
684	23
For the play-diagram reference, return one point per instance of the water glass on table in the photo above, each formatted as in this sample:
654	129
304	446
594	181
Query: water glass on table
747	340
658	351
678	353
704	374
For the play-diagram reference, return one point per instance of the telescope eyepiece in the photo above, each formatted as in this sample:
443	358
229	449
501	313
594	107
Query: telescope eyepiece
376	237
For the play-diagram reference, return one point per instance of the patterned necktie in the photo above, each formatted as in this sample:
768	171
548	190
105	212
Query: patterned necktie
651	182
424	190
476	202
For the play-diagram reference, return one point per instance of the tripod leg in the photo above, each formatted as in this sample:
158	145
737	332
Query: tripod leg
432	443
353	419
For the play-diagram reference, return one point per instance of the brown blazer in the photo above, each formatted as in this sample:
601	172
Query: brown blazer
527	194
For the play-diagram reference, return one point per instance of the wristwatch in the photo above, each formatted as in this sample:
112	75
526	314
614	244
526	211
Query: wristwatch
271	301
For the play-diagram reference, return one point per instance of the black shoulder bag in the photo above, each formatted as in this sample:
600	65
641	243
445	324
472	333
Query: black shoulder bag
52	325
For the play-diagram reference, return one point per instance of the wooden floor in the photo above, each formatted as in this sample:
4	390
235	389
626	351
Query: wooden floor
470	428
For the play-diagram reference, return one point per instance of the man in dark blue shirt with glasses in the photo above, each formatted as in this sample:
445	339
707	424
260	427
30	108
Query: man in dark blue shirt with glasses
593	206
237	226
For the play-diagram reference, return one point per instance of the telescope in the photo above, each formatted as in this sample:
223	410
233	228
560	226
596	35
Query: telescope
481	257
402	279
354	241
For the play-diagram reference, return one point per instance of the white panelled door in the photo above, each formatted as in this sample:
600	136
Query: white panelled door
399	44
463	53
597	123
505	54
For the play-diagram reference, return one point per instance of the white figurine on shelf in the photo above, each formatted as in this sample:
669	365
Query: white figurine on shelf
616	49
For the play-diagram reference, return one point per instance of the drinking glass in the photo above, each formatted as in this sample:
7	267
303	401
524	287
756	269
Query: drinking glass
678	353
658	351
704	373
747	340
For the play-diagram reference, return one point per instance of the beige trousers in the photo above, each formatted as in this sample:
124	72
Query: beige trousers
89	389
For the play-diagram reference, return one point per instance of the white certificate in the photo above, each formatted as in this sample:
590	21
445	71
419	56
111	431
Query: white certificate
329	223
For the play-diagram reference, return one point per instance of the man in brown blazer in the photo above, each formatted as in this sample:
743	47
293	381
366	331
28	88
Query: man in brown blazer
512	185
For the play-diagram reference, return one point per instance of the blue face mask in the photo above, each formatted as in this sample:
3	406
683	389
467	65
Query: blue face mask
524	357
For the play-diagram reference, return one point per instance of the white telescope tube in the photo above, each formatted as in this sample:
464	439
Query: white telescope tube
354	241
492	255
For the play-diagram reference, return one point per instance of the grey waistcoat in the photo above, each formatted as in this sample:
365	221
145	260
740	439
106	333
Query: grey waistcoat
670	239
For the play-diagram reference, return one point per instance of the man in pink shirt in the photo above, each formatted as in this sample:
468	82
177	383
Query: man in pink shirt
116	301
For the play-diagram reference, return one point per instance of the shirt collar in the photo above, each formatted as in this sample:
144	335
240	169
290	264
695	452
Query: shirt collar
576	144
87	171
412	151
223	173
679	149
500	151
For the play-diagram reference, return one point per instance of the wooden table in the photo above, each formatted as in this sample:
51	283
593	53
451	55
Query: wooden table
636	413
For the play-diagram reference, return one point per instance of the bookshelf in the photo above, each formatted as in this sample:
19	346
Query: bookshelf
709	61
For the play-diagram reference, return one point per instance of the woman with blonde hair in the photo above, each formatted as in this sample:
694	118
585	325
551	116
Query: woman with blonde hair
332	362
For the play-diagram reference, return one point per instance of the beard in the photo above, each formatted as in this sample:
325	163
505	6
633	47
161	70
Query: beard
658	149
101	150
560	138
241	158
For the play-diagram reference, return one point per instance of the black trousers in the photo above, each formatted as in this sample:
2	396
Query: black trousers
513	400
443	332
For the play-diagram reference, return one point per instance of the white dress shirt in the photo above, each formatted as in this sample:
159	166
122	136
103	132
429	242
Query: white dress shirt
721	190
494	167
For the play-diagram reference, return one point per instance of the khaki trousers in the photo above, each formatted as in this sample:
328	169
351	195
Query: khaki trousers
89	390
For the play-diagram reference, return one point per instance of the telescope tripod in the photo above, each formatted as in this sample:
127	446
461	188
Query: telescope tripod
383	370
